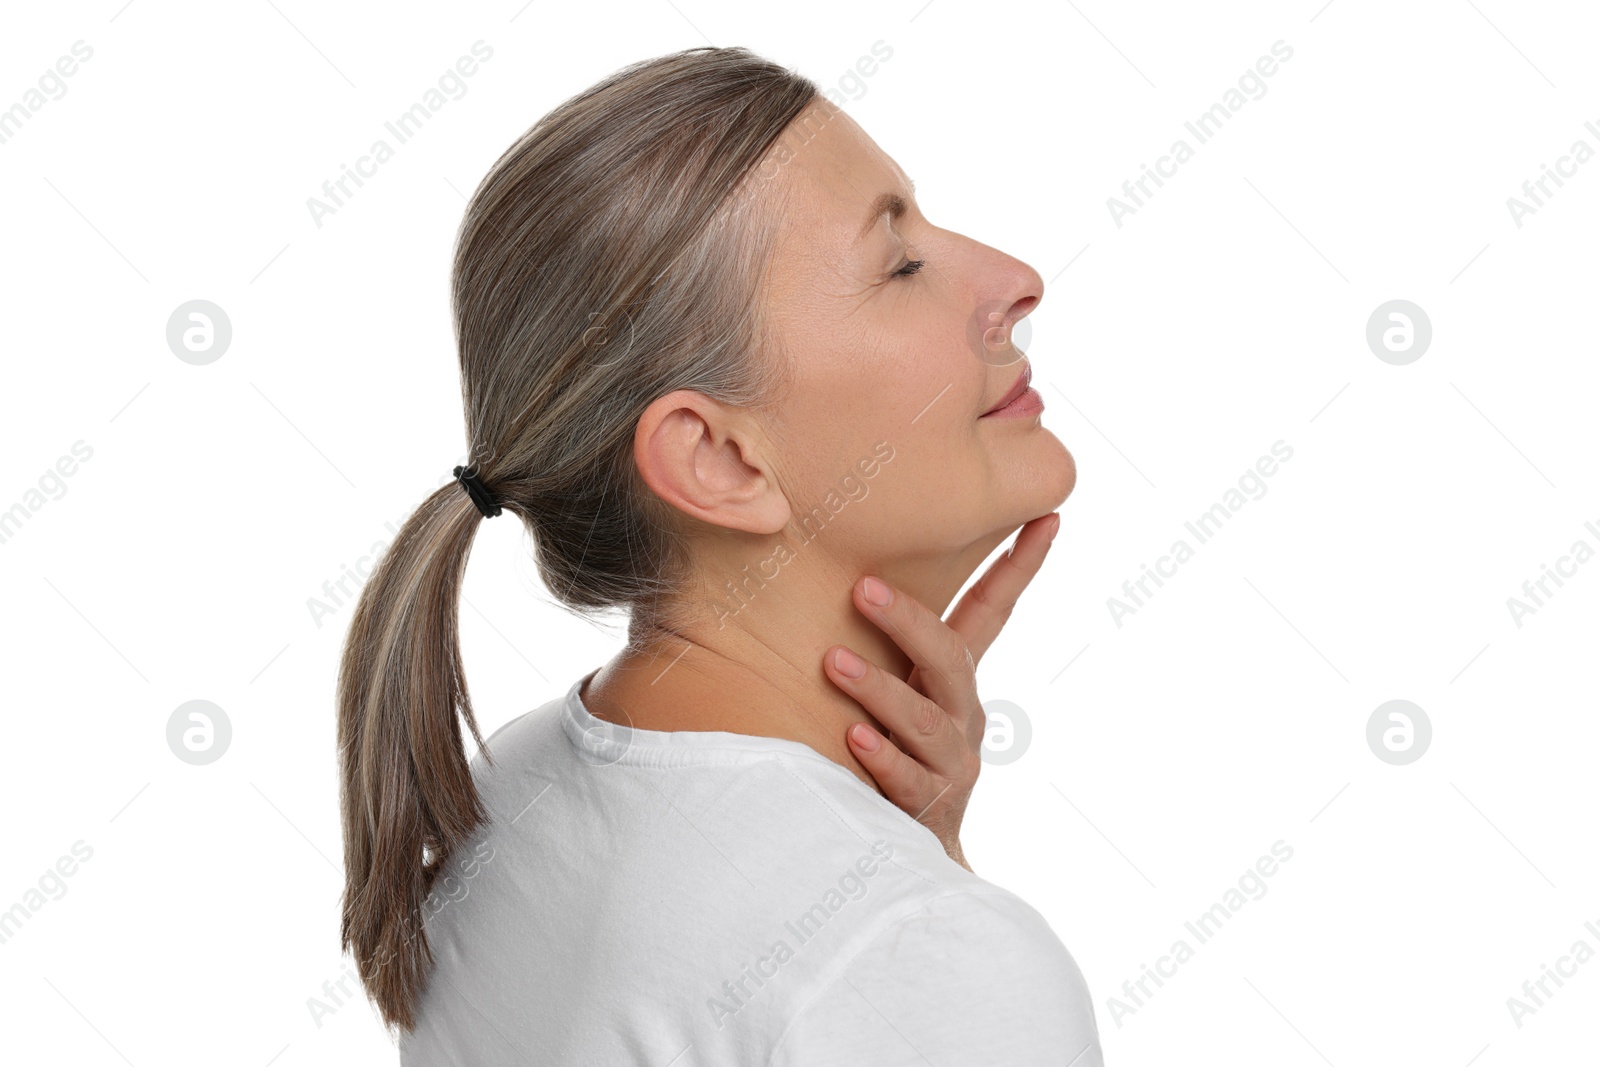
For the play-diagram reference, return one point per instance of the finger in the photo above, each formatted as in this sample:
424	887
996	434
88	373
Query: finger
906	783
983	610
924	729
941	655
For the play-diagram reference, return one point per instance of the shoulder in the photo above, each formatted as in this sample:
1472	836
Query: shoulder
973	974
524	741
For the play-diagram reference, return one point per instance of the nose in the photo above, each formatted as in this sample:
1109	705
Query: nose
1016	290
1027	289
1020	310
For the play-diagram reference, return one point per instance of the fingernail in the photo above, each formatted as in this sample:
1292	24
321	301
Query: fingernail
850	665
1055	528
864	738
876	592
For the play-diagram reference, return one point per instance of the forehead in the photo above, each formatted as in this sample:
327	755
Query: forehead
828	172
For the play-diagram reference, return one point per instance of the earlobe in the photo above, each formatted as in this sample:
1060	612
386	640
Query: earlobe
691	455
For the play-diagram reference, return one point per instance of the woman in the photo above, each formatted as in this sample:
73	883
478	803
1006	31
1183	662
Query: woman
733	382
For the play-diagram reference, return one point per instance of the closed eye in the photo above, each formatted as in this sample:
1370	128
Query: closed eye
910	268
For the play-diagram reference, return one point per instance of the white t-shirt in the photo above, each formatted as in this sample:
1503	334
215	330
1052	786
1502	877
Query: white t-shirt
709	899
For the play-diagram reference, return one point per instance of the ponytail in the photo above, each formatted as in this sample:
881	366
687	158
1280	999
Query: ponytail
612	255
406	791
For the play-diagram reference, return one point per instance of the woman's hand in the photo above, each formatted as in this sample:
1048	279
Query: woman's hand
934	716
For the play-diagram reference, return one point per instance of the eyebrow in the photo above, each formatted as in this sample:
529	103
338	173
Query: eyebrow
892	203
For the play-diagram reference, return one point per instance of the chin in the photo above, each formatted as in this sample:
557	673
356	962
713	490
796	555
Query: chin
1052	473
1034	486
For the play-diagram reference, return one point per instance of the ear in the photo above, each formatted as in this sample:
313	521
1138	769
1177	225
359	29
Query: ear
703	458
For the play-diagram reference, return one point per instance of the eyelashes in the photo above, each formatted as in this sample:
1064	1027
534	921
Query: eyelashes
910	268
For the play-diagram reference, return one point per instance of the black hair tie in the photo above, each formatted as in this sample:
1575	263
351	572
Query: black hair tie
468	477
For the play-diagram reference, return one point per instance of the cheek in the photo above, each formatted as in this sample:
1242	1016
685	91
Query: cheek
909	379
928	373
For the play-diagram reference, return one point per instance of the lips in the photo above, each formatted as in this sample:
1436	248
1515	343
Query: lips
1018	387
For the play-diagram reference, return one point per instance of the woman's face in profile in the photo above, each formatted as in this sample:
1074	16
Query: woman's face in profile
885	352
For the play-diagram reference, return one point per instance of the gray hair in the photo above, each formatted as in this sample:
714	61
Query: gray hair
611	255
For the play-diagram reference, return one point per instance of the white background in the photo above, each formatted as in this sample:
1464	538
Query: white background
1228	313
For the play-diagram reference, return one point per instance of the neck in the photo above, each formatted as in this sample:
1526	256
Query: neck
752	664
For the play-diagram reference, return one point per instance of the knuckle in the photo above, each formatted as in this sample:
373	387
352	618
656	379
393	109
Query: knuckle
957	651
925	719
983	593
